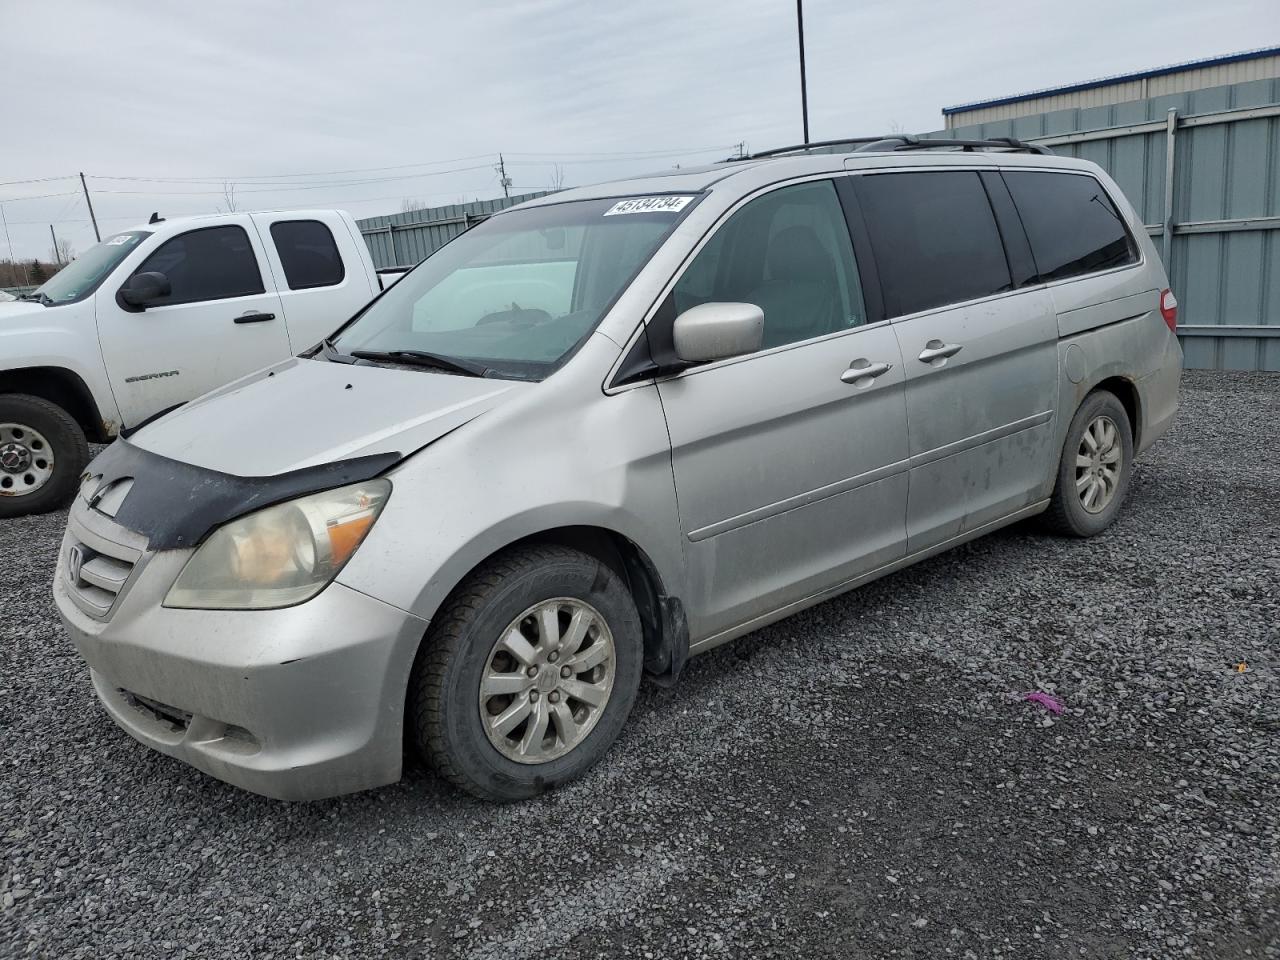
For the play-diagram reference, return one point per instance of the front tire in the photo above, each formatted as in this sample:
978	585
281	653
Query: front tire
43	452
1093	475
527	674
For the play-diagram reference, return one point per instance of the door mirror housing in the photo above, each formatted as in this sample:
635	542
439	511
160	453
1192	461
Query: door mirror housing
717	331
142	290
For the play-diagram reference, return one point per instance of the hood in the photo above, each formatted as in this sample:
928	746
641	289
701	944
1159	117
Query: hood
18	308
301	413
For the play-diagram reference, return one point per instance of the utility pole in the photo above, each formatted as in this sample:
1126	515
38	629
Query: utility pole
503	179
57	257
804	91
97	236
9	240
742	149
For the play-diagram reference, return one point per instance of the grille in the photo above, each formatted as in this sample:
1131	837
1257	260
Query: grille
95	577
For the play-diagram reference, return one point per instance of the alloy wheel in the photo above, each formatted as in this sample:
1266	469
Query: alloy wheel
1099	460
547	680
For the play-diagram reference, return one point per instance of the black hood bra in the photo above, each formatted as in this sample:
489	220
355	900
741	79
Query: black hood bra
175	505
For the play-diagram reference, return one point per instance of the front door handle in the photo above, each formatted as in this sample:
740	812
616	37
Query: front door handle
864	369
255	316
937	350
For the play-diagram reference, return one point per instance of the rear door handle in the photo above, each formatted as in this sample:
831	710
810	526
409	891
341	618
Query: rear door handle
937	350
862	368
254	316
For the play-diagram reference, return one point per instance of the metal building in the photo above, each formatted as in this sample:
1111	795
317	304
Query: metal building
1196	148
405	239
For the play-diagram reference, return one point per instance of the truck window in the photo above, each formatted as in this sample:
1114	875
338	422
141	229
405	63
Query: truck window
308	253
935	238
1073	226
213	263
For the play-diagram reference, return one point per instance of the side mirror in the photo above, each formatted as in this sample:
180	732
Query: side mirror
142	290
716	331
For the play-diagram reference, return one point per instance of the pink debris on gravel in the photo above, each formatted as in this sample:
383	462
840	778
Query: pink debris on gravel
1050	703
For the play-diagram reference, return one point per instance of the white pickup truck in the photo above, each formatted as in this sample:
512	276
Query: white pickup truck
154	316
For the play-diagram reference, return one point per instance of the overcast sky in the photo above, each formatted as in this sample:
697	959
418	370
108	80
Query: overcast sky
205	90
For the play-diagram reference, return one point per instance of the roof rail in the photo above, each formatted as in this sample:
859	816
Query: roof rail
925	143
803	147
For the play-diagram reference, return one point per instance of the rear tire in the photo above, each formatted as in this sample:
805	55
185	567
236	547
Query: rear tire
43	453
1093	475
515	641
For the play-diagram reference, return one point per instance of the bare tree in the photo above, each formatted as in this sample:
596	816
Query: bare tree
557	178
409	206
63	252
228	197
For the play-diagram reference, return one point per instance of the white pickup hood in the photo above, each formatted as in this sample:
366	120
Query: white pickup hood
13	309
301	413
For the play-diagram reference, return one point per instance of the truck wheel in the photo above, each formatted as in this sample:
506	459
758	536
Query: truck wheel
1093	475
528	674
43	452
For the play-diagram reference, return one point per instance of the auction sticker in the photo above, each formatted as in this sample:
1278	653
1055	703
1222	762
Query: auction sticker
649	205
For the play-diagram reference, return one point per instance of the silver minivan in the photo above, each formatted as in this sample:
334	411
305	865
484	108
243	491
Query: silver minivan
605	430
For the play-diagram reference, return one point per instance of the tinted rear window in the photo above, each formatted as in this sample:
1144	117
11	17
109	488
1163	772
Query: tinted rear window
308	254
1073	226
935	238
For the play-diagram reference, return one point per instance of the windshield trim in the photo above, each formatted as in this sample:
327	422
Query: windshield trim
552	366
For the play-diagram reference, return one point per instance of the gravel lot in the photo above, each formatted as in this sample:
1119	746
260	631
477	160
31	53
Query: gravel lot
855	781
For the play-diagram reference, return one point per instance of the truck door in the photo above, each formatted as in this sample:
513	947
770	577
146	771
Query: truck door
321	279
221	319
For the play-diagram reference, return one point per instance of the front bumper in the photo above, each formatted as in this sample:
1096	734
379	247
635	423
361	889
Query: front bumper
298	704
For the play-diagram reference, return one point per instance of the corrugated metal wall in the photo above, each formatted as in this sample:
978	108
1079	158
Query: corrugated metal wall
405	239
1221	208
1123	90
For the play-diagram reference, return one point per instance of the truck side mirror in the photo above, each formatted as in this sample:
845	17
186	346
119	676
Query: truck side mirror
142	290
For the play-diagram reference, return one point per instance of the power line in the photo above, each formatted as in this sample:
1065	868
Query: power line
210	178
41	196
244	178
328	185
9	183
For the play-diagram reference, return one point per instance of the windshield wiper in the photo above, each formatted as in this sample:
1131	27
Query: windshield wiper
333	354
424	359
38	297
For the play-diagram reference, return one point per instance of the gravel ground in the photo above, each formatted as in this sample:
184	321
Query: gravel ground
855	781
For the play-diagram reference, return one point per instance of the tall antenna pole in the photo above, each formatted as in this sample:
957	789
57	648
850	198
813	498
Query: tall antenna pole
804	90
97	236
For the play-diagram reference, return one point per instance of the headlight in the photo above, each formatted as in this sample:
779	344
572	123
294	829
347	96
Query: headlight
280	555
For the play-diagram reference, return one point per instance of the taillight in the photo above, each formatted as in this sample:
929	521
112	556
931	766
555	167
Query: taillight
1169	309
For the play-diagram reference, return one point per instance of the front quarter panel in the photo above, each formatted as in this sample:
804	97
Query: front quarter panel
64	337
562	454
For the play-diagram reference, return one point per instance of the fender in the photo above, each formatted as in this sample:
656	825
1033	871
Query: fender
60	339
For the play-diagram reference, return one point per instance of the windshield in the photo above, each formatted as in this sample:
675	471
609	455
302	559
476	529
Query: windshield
515	295
81	276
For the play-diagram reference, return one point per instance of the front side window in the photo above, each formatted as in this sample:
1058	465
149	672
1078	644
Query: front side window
1071	223
935	238
519	292
81	277
215	263
788	252
308	254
